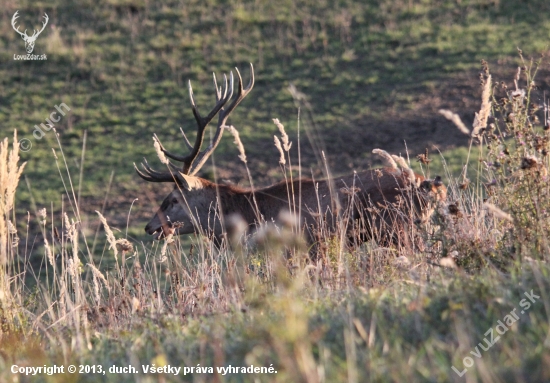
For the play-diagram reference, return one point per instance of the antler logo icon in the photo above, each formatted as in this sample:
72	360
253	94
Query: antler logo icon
29	40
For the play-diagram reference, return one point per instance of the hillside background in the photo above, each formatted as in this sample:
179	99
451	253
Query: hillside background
374	74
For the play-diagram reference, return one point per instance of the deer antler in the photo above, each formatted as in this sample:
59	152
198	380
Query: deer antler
24	34
222	119
44	23
13	20
196	159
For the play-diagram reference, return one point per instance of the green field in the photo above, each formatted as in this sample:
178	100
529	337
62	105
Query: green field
371	74
376	72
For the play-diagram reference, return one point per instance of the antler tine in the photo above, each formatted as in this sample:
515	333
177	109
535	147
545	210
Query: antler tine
241	94
194	161
216	107
202	123
187	143
190	88
149	170
13	21
221	102
222	119
44	23
163	149
219	89
151	175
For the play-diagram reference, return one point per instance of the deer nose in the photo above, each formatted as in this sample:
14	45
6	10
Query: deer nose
149	229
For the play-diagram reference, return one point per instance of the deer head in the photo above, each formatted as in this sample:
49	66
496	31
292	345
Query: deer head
29	40
178	212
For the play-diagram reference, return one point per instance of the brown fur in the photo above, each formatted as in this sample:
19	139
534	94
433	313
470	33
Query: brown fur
376	203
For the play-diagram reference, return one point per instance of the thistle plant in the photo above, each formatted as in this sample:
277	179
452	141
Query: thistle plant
517	161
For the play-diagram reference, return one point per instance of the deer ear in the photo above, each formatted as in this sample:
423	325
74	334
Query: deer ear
188	182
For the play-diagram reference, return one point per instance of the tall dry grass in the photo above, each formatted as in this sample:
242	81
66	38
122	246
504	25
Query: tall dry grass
10	172
503	216
77	296
488	223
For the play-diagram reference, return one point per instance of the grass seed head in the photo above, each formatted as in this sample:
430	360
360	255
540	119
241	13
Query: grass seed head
110	236
159	151
386	156
497	212
282	160
235	133
124	245
455	119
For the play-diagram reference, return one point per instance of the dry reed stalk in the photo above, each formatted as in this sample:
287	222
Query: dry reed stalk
497	212
455	119
96	277
49	253
406	168
282	160
42	214
99	275
159	151
109	233
10	172
284	137
242	156
385	155
480	121
235	133
168	240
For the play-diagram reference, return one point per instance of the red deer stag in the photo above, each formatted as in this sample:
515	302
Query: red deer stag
373	203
